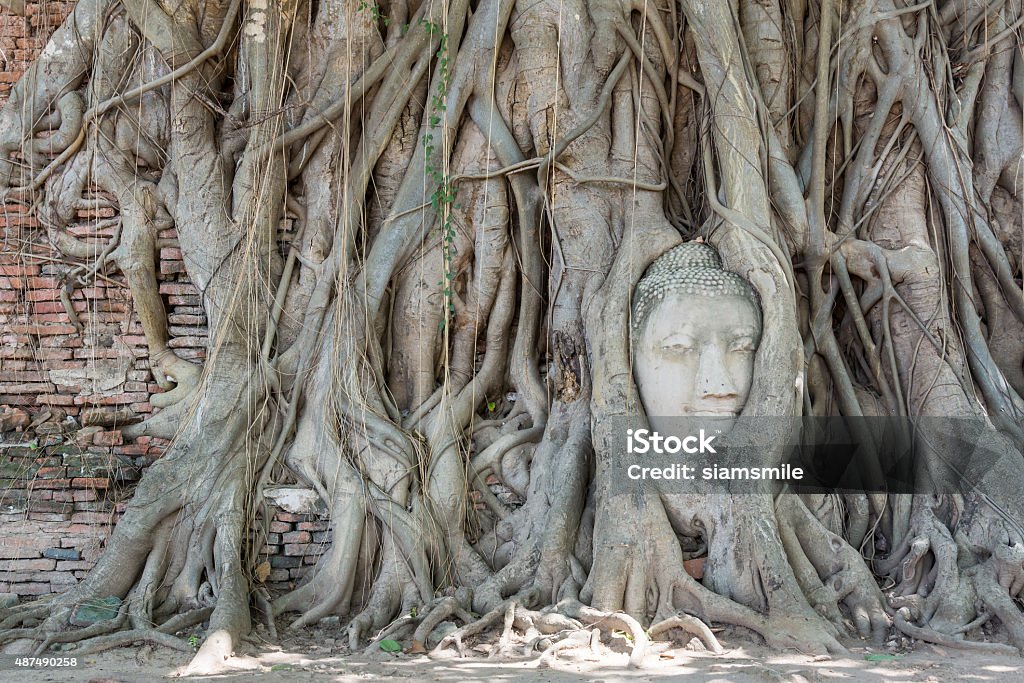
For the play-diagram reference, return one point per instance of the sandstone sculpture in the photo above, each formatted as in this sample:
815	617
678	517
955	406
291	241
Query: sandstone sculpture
695	328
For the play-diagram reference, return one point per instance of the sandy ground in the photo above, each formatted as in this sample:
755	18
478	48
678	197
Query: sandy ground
301	658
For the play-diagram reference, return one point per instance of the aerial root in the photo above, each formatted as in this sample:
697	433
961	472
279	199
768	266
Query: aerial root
459	635
185	620
20	614
393	631
444	608
565	626
148	635
609	621
692	625
81	635
262	597
931	636
176	374
576	640
105	635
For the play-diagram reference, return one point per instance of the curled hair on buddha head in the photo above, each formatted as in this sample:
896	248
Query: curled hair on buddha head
693	268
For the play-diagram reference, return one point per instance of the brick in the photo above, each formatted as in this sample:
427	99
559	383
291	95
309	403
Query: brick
93	506
312	526
91	518
110	438
76	495
31	588
172	267
282	562
74	566
90	482
280	527
290	517
117	399
62	554
61	581
51	472
27	388
49	516
17	399
55	400
300	549
49	483
39	564
296	537
132	449
184	342
22	546
19	269
91	536
178	289
186	319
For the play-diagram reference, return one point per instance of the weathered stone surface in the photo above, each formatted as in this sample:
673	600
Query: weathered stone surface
296	500
282	562
100	376
97	465
102	417
62	554
95	611
13	419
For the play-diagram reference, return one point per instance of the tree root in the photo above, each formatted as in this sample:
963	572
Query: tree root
567	625
931	636
691	625
123	638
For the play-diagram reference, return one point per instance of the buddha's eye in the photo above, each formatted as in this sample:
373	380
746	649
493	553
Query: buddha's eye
678	347
742	346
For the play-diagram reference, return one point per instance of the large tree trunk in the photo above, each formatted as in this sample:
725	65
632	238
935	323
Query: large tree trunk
476	189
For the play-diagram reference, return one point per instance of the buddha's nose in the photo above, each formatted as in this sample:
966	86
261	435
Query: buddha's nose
712	376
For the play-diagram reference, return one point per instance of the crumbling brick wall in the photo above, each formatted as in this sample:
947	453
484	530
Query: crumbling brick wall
70	379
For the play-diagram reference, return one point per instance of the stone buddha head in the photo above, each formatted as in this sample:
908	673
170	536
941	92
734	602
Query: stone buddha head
695	329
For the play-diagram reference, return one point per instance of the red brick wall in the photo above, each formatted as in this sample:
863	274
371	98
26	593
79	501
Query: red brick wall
63	478
21	38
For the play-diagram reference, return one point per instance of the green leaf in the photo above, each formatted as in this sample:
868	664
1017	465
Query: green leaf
874	657
491	405
389	645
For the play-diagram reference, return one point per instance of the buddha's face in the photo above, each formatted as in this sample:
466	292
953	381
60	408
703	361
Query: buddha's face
694	355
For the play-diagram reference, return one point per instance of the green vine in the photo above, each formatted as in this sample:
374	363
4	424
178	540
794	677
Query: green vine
374	10
442	200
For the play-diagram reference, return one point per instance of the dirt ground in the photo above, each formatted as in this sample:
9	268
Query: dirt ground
314	656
